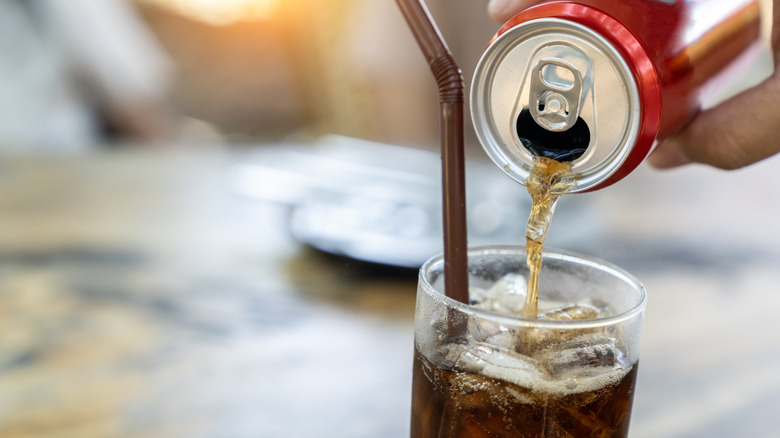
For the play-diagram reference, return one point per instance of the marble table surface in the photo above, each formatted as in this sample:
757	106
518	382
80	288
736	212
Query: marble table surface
140	298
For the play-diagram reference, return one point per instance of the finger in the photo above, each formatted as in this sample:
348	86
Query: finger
740	131
503	10
736	133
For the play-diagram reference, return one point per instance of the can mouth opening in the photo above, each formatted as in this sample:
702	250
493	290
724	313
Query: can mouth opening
561	146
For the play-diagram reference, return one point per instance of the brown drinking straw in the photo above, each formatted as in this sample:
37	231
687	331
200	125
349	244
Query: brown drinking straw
450	81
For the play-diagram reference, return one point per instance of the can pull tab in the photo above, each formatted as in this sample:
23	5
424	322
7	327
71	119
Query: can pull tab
556	93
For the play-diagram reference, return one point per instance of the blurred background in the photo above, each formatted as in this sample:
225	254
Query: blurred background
266	69
212	212
251	70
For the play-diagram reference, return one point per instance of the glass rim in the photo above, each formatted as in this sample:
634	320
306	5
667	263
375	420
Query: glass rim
437	261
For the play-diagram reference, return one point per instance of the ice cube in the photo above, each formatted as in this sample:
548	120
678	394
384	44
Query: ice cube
464	357
580	354
481	329
503	339
447	355
534	339
472	359
507	295
495	361
476	357
491	332
477	295
603	307
571	312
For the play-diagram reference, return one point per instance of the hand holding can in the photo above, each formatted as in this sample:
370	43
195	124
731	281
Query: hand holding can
737	132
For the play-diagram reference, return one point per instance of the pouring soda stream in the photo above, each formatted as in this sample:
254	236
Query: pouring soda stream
569	96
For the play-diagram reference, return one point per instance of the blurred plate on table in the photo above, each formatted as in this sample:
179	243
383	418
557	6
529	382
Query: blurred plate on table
382	203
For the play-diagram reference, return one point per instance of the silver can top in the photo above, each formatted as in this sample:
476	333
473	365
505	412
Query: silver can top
556	88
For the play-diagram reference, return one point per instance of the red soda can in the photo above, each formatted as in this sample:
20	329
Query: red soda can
598	82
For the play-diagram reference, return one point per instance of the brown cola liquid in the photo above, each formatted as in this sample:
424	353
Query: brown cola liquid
548	180
448	404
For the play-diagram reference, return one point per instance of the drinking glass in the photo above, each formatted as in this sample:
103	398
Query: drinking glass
481	370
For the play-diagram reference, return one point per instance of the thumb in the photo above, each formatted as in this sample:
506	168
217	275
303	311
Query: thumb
740	131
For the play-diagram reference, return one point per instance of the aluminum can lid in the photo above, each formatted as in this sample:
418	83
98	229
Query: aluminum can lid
557	85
